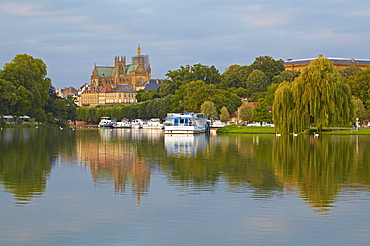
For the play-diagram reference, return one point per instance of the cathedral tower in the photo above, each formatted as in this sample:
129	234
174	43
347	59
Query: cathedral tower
131	74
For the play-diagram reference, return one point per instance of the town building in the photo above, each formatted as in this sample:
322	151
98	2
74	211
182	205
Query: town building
132	74
339	63
151	84
90	96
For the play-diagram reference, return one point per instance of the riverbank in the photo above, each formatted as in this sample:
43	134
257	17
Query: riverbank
271	130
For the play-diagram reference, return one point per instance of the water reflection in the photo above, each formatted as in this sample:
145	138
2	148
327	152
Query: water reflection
26	158
184	145
321	167
112	156
318	170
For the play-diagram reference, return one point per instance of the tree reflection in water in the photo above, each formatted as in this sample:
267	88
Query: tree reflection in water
319	169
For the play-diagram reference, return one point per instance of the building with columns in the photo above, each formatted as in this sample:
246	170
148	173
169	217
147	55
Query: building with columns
339	63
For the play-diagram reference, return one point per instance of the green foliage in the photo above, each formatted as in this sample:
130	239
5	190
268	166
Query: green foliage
287	75
245	112
317	98
261	113
209	110
184	75
360	111
257	82
268	66
190	96
270	94
349	71
8	96
29	73
240	91
235	76
144	96
360	87
224	116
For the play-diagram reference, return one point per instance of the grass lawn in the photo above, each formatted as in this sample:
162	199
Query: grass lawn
246	129
360	131
271	130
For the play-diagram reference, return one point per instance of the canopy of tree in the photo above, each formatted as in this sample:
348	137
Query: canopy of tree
317	98
360	87
24	78
25	90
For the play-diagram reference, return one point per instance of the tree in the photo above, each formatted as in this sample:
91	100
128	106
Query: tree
224	116
349	71
268	65
245	112
148	95
270	94
257	82
184	75
360	87
360	111
225	98
261	113
240	92
235	76
286	75
71	108
190	96
30	73
59	109
8	96
317	98
209	110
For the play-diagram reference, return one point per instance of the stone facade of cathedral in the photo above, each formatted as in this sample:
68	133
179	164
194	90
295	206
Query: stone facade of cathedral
133	74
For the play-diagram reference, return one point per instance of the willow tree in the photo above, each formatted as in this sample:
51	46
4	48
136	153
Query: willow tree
317	98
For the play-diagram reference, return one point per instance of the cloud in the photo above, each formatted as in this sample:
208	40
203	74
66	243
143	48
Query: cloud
25	10
332	36
258	16
363	13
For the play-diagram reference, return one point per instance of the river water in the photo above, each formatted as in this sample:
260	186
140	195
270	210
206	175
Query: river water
141	187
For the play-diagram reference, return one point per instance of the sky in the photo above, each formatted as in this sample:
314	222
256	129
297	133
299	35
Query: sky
71	36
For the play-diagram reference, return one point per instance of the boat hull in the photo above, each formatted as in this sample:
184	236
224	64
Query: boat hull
183	130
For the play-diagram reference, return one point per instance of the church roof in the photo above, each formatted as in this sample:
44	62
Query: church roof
122	88
130	68
109	71
105	71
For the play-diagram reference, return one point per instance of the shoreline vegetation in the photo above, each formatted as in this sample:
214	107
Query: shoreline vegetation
238	129
231	129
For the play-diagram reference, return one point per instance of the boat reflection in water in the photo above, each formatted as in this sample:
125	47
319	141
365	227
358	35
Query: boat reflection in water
184	145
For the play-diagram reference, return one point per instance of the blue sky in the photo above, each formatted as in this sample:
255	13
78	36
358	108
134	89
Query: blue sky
70	36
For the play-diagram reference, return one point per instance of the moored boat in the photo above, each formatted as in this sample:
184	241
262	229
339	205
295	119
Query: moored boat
137	123
153	123
123	124
105	122
185	123
217	124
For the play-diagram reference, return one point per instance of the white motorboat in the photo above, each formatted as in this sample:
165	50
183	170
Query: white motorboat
185	123
105	122
137	123
153	123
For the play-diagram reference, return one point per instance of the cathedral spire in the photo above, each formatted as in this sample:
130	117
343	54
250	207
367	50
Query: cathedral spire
138	49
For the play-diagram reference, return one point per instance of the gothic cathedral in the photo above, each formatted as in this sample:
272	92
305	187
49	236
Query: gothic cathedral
131	74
